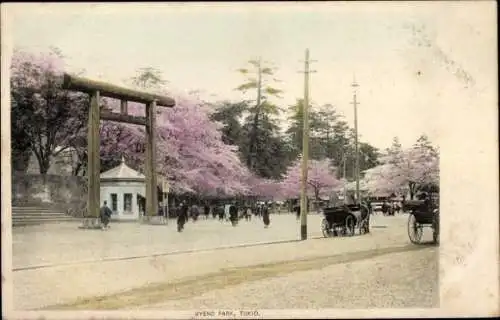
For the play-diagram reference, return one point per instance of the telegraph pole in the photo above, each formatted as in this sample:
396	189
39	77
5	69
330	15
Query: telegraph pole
305	149
355	104
344	164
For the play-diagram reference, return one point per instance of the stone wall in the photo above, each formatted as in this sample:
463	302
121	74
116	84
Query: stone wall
68	193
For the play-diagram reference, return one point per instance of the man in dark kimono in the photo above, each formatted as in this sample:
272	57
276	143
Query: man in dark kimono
427	201
369	205
385	208
182	217
265	215
206	210
297	211
215	211
105	215
258	211
233	214
220	212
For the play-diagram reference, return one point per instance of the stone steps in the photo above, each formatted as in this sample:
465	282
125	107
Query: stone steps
26	216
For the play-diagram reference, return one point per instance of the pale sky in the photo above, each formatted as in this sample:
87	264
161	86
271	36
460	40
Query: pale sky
402	73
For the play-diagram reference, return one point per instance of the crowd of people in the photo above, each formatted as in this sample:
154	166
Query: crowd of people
390	208
233	212
229	212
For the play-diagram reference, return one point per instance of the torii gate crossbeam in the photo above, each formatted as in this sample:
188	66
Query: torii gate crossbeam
97	89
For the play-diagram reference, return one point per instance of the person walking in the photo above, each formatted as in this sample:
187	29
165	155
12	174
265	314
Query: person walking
248	215
105	215
195	212
206	211
297	212
182	217
265	216
215	211
258	211
385	208
221	212
233	214
227	206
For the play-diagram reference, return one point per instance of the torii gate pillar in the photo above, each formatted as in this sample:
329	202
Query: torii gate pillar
93	157
96	89
151	177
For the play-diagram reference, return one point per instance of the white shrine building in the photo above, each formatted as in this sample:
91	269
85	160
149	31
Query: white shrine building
124	190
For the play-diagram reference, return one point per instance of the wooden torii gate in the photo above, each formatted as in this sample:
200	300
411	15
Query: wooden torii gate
97	89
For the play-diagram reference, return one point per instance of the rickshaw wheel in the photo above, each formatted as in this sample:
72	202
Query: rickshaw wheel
325	228
415	230
350	225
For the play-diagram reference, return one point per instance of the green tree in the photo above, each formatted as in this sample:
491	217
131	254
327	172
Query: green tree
20	144
148	78
330	137
322	126
369	156
270	148
295	130
230	114
395	152
258	76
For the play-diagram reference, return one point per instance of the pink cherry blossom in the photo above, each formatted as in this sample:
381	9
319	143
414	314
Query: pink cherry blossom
190	151
404	171
321	179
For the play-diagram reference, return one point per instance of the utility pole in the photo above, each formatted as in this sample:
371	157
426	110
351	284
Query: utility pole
305	150
344	164
355	104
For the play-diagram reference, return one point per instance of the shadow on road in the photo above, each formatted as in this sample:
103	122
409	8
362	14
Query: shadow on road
189	287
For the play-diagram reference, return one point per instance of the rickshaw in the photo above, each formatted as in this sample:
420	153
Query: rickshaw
344	220
424	213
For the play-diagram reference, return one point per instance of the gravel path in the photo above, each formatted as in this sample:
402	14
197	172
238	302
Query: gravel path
399	280
65	243
68	284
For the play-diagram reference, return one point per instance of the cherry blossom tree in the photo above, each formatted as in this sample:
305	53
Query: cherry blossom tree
380	180
321	179
406	170
266	189
190	151
47	117
196	158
